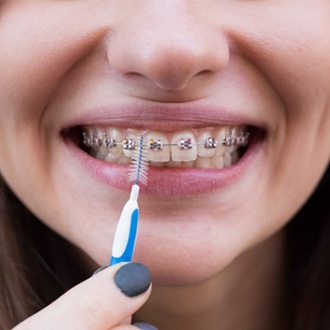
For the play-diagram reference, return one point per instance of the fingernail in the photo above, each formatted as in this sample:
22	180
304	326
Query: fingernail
99	270
133	279
145	326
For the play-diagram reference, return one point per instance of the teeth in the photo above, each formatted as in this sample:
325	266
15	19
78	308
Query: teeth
185	149
223	160
226	159
214	148
233	132
114	150
96	137
129	143
124	160
204	148
203	162
102	150
220	136
156	152
218	161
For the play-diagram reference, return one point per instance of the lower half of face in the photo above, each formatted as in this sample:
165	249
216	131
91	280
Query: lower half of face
235	147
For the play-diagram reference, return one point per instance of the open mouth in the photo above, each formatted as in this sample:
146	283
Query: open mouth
206	148
182	162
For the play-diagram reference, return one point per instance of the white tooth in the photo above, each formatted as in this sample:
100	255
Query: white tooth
227	161
131	134
101	150
217	161
124	160
99	155
158	155
221	148
115	152
201	150
111	158
183	155
234	131
203	162
222	161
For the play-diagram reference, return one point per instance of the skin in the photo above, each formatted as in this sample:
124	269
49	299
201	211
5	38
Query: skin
263	58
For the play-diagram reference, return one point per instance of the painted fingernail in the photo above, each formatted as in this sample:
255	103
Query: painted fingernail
99	270
133	279
145	326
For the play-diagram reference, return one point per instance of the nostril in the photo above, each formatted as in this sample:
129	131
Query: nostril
134	74
169	67
204	73
173	84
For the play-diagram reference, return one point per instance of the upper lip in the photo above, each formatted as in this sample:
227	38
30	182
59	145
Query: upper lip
164	116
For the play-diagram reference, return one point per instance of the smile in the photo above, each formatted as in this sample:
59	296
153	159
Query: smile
191	150
209	147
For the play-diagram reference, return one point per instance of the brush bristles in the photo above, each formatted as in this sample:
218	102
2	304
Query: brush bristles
138	172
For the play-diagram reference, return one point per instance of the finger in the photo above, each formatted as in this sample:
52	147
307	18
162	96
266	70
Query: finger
125	327
101	302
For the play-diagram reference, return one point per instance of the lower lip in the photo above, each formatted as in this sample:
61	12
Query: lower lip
169	181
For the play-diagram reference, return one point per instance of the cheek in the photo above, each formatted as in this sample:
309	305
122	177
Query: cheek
37	50
290	45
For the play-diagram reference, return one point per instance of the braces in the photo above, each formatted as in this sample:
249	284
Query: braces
91	140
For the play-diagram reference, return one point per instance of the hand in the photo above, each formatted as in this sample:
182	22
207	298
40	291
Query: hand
103	302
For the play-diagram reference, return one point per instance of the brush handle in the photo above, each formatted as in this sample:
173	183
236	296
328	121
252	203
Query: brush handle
126	231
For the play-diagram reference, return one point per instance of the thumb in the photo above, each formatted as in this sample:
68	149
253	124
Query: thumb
101	302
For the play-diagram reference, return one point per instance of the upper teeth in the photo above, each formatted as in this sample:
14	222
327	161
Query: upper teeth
94	140
112	144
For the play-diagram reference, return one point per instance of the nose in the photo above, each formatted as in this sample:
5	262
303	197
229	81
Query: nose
169	47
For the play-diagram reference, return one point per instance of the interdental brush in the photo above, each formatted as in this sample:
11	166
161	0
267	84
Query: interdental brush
126	231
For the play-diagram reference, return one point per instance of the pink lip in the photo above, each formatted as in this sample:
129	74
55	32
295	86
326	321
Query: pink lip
168	181
166	117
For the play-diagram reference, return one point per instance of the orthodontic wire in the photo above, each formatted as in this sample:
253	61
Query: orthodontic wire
122	143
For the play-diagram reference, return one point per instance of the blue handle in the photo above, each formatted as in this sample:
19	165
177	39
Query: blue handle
128	252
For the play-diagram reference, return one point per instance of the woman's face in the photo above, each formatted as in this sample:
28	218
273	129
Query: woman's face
202	67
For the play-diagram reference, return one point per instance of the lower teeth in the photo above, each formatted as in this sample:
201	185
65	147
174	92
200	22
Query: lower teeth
216	162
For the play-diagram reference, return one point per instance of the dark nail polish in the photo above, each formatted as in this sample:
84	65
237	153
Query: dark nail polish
145	326
99	270
133	279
